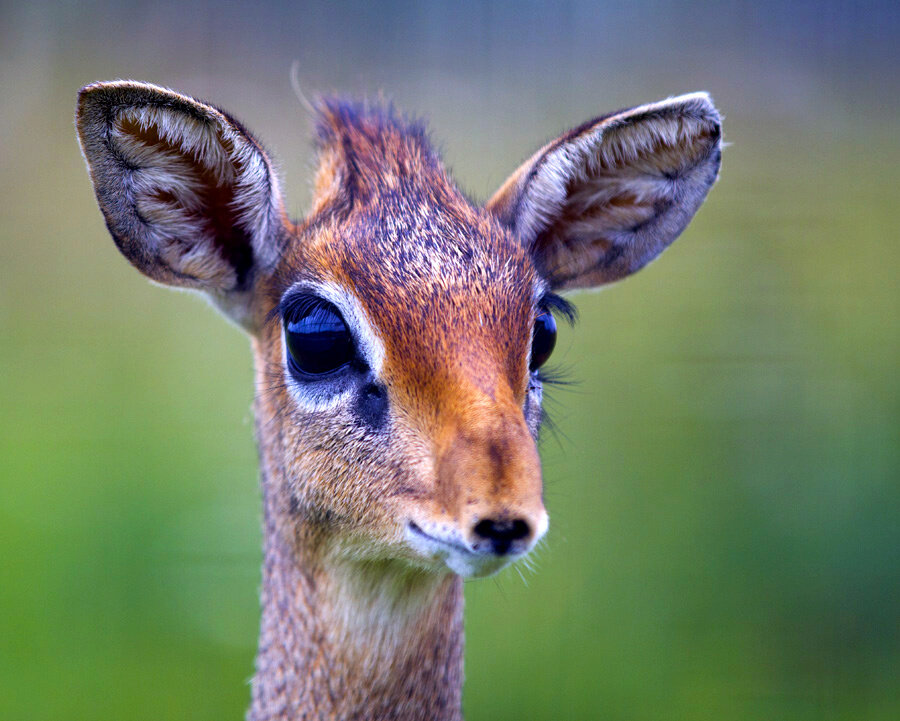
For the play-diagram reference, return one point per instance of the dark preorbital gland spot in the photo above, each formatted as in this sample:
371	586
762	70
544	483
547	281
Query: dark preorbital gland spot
372	405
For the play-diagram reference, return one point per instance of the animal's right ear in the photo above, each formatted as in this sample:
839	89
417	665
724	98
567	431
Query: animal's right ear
189	197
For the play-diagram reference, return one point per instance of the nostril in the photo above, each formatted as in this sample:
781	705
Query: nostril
507	530
502	534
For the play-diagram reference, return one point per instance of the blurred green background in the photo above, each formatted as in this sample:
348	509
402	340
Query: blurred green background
723	486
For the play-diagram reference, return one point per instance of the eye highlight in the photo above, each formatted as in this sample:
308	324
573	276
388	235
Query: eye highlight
317	338
543	339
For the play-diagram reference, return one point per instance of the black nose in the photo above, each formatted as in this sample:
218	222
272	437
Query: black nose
501	535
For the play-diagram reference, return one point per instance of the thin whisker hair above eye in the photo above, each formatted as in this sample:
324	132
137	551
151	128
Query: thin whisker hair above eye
294	304
558	305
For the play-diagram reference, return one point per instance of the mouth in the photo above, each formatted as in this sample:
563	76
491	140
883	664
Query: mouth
451	544
456	555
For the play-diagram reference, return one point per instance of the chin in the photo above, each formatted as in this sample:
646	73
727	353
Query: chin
478	567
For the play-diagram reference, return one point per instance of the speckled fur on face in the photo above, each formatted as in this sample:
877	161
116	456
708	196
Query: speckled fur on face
452	295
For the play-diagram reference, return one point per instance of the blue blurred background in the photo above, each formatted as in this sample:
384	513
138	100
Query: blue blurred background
723	485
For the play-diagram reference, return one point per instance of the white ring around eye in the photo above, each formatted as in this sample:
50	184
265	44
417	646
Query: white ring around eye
368	343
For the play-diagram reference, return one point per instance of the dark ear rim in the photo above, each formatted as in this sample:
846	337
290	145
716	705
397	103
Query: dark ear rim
96	110
536	192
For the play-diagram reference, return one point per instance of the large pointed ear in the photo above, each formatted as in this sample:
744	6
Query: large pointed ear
605	199
189	197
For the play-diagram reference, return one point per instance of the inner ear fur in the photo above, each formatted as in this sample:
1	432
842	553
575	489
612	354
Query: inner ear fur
188	195
603	200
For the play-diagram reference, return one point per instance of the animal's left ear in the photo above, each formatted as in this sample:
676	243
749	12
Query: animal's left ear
605	199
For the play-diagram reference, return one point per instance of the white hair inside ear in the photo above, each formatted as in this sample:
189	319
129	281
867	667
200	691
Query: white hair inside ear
189	196
604	200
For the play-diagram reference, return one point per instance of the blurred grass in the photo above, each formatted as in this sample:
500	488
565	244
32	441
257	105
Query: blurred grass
725	540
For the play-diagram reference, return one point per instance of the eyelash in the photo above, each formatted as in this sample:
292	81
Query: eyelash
559	306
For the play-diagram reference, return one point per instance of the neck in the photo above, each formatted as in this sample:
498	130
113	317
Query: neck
345	639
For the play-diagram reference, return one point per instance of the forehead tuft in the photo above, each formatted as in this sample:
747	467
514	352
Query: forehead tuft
372	145
387	216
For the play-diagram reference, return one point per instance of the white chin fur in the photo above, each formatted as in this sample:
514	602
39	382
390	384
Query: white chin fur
478	566
467	564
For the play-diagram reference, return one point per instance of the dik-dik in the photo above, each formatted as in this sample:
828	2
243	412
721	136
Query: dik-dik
399	332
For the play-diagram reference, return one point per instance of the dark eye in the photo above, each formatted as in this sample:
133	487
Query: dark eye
543	339
317	338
